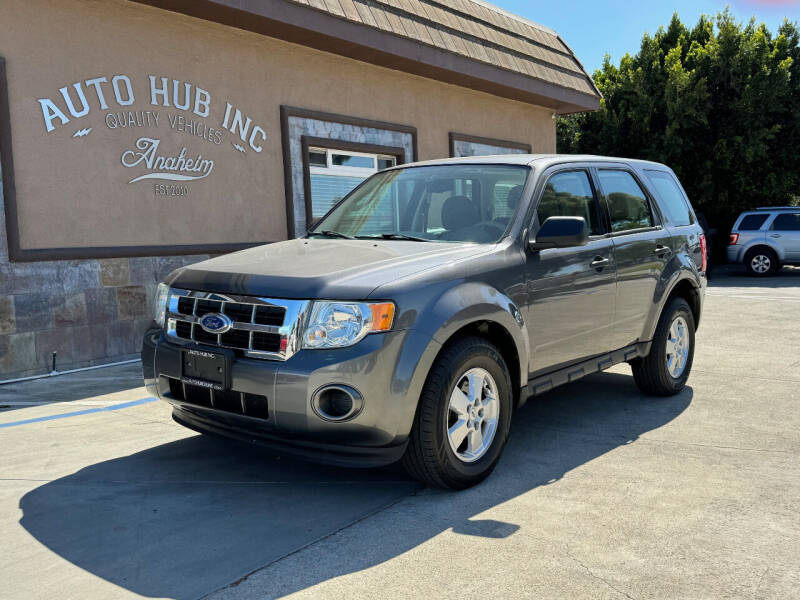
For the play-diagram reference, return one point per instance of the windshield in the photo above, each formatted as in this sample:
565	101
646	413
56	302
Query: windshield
444	203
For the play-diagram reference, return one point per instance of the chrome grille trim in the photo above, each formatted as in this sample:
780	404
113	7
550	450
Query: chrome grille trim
295	315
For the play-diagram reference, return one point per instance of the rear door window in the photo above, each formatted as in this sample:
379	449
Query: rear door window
671	198
787	222
752	222
628	206
569	194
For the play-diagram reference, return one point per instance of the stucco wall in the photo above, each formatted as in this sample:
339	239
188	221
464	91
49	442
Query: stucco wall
72	190
61	178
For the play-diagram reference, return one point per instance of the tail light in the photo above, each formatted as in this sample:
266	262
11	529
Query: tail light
704	252
734	239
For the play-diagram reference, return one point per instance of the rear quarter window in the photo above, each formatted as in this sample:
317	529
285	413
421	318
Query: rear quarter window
670	198
752	222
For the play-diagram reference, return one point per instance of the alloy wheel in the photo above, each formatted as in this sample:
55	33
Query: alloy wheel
760	263
678	342
472	415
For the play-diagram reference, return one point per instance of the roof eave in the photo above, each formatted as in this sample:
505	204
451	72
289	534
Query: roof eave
309	27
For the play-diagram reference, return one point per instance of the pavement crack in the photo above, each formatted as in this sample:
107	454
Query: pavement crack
597	577
716	446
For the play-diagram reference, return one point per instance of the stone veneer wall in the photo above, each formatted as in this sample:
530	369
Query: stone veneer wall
88	311
463	148
300	126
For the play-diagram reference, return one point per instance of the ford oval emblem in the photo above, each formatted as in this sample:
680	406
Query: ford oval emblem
216	323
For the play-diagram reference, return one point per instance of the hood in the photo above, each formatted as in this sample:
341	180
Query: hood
336	269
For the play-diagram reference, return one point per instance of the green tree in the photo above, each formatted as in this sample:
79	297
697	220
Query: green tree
719	103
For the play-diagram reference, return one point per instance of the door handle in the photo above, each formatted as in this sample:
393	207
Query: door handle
663	250
774	235
599	262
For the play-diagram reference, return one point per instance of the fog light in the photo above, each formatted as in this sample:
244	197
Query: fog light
337	402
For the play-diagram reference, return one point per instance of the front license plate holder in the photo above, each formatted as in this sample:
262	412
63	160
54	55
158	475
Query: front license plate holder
210	369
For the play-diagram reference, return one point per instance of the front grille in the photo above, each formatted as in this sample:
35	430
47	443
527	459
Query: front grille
262	327
243	313
269	315
236	338
183	330
266	342
201	335
240	403
186	306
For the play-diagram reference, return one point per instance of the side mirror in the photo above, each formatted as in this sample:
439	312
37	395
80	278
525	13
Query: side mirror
561	232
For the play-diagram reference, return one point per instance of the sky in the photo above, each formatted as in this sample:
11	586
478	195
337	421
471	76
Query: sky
593	28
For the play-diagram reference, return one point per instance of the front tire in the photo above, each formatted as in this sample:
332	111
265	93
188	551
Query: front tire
463	417
665	370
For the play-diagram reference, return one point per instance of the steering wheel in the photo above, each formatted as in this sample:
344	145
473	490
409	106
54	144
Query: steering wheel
492	226
482	232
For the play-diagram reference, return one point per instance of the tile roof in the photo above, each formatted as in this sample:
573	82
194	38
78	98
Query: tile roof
473	29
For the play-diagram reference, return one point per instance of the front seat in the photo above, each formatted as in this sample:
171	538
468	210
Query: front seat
512	202
458	212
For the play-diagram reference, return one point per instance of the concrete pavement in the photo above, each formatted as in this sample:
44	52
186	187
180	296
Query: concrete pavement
602	493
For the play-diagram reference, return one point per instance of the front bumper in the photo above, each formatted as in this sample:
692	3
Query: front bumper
387	369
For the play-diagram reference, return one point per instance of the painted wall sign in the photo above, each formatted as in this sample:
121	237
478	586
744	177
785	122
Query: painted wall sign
177	106
144	151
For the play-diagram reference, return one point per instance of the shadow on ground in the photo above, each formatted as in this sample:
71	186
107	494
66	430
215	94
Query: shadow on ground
183	519
72	386
735	276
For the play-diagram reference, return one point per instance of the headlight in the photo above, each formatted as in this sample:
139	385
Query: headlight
340	324
160	304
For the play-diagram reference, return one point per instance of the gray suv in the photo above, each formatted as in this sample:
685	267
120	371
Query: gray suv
431	302
766	238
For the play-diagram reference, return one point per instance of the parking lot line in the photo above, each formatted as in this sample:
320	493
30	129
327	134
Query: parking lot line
78	413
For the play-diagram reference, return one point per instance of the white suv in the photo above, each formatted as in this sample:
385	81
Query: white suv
766	238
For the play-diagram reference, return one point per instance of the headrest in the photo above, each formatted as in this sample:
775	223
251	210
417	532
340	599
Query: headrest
514	195
459	212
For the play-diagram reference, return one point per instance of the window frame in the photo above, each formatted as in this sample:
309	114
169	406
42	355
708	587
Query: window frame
336	146
655	211
344	171
602	222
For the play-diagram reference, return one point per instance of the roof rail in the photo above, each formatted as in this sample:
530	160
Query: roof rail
778	208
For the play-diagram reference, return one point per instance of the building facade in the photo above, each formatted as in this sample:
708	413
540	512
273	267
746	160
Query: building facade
137	137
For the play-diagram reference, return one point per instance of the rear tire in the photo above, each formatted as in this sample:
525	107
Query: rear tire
437	454
665	370
761	262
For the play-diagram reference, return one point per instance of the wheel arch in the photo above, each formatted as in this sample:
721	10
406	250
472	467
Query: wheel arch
765	245
684	284
474	308
502	339
686	289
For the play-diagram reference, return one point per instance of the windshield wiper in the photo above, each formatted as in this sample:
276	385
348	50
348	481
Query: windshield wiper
403	236
336	234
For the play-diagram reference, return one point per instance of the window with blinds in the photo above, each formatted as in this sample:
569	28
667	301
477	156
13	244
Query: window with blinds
335	173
